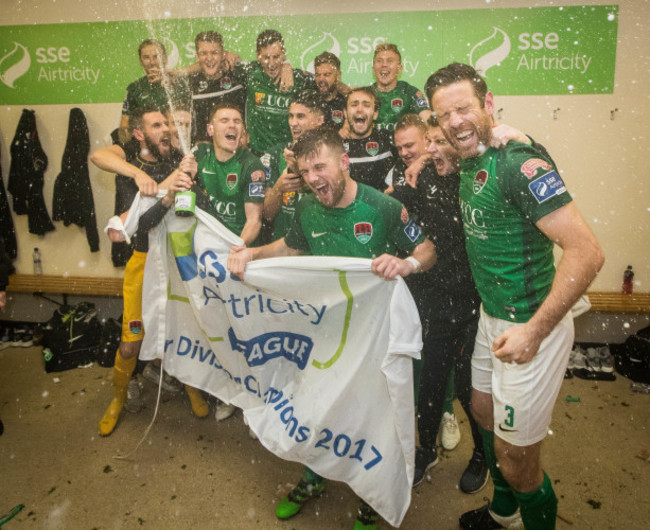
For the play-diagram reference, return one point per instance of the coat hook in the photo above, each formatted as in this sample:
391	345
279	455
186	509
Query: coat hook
612	114
555	111
499	113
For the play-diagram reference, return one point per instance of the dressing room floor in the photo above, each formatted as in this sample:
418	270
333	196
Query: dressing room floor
192	473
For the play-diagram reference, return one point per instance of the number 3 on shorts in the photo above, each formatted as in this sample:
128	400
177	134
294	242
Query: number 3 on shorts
510	418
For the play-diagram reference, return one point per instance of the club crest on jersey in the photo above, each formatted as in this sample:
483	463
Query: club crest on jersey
397	104
259	98
231	180
289	198
226	83
372	148
258	176
203	85
529	168
135	326
363	232
479	181
337	116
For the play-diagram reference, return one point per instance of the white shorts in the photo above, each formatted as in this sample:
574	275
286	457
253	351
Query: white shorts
523	394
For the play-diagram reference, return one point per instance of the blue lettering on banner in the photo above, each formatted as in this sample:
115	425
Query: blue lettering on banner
261	349
340	445
412	231
187	267
291	423
547	186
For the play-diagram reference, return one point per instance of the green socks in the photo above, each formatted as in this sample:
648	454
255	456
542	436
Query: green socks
539	507
503	501
311	477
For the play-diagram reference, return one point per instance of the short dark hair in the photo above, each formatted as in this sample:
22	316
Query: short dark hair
366	90
327	58
310	99
136	118
455	73
268	37
310	142
208	36
152	42
410	120
224	105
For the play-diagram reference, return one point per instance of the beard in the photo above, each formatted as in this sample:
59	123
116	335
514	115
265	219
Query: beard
154	150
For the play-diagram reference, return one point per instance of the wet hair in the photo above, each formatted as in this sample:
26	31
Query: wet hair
410	120
327	58
366	90
312	100
152	42
208	36
136	118
311	142
387	47
224	105
455	73
432	121
268	37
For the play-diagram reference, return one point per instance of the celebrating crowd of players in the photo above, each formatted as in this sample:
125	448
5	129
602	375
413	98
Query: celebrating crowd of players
466	210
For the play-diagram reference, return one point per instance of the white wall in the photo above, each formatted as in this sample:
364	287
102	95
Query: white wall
603	161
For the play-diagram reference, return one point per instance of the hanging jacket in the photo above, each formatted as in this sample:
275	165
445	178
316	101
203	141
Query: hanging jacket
73	197
7	229
28	164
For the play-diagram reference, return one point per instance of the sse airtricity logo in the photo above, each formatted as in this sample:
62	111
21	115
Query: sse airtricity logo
490	52
173	54
327	43
14	65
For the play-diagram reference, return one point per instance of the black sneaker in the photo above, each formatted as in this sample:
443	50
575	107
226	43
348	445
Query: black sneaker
476	474
484	519
425	459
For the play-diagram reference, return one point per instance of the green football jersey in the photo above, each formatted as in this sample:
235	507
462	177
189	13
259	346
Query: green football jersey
374	224
503	193
403	99
142	93
230	185
267	109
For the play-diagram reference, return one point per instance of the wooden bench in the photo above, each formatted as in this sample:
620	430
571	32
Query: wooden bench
619	302
86	285
77	285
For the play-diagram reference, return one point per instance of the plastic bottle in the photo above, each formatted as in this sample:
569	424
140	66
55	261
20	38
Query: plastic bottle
628	280
38	264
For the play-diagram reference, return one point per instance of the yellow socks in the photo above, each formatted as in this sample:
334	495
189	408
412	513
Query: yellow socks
200	408
122	372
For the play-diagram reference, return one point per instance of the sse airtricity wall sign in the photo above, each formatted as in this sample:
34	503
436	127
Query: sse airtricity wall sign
521	51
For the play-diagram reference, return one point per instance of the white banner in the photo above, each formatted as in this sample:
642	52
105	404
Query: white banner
316	351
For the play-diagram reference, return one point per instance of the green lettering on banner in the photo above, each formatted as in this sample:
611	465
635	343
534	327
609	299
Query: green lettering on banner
521	51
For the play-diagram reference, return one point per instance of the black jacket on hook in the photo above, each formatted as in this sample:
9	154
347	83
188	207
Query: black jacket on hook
7	229
73	197
28	164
